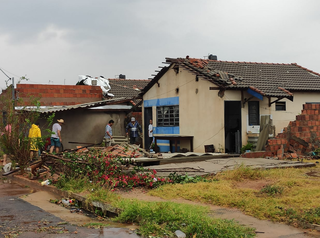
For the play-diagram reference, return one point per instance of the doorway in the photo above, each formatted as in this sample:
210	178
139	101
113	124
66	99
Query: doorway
232	125
147	118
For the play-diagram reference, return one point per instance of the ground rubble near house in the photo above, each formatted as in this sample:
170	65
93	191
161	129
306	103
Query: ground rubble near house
299	140
124	150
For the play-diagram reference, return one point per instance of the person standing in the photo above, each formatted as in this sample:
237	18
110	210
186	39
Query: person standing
108	134
150	132
35	136
134	127
56	136
7	134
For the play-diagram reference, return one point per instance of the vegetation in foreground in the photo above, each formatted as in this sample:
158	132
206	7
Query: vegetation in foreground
162	219
289	195
100	175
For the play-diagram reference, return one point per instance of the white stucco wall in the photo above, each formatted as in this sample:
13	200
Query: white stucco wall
201	110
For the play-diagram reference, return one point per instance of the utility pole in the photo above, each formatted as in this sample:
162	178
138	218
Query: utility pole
13	94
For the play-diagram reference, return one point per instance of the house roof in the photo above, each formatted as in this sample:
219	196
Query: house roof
267	79
50	109
123	91
131	83
127	87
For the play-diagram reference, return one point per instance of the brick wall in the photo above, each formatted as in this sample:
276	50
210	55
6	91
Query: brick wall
59	94
300	137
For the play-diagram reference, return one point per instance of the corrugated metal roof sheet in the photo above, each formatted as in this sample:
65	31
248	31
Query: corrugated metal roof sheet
50	109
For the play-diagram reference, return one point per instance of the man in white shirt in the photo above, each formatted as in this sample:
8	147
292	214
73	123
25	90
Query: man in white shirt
56	136
150	132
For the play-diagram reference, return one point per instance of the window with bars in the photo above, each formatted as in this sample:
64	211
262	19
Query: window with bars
254	114
280	106
168	116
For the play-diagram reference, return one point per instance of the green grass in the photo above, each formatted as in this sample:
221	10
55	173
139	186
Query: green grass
158	219
289	196
92	191
162	219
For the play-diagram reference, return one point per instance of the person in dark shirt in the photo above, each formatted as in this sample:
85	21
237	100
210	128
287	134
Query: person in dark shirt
133	126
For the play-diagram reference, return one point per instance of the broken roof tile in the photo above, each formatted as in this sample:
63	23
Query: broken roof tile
273	79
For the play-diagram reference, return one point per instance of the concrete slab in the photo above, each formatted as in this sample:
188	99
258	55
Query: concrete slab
168	158
213	166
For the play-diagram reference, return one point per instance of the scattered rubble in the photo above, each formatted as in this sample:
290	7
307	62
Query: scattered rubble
124	150
299	140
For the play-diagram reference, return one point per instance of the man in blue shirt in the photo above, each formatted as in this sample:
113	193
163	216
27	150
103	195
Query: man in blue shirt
134	127
108	133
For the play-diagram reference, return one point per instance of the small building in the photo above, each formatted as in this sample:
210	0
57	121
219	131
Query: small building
85	123
221	103
84	108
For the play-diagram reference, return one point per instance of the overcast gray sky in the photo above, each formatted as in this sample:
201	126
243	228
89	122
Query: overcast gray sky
53	41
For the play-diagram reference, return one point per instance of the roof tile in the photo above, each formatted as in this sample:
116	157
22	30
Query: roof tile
272	79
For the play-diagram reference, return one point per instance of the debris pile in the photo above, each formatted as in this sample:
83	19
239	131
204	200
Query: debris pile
124	150
57	163
301	138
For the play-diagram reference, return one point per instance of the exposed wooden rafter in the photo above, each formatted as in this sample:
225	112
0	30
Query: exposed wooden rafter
270	103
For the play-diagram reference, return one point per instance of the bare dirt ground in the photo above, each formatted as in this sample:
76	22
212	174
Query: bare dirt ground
253	184
264	229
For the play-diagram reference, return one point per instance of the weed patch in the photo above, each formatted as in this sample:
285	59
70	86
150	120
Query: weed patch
272	190
241	173
161	219
177	178
293	197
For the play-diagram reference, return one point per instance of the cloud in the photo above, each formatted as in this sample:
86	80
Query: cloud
58	40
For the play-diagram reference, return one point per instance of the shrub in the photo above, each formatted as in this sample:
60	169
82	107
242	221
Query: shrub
248	146
272	190
102	168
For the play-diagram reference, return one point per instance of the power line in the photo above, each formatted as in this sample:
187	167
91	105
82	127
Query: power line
5	73
10	72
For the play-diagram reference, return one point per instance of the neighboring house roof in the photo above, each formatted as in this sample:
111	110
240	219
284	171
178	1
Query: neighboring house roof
130	83
130	88
50	109
123	91
267	79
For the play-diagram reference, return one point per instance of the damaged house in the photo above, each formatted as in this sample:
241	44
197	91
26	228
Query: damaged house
86	109
222	103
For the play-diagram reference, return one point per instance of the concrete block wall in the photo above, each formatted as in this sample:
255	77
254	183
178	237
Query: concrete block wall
300	137
55	95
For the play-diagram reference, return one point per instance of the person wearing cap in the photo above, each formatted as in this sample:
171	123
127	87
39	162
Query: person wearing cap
35	136
56	136
134	127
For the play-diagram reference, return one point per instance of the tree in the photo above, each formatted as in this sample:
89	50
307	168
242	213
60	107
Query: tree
14	139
